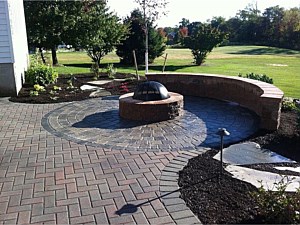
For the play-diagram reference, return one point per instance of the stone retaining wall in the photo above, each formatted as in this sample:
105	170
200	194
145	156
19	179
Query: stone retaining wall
262	98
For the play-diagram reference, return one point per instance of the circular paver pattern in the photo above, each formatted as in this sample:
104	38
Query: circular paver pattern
96	122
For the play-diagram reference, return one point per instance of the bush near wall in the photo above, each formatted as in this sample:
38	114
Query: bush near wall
41	74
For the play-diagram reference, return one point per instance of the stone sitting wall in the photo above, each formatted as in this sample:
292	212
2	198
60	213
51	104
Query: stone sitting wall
262	98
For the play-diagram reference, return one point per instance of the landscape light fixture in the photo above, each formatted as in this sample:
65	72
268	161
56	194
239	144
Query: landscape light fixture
222	132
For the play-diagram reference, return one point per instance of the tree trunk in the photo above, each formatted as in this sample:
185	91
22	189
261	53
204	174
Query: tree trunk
54	56
42	55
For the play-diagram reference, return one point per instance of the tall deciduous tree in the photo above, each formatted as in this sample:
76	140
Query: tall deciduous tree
151	11
202	39
290	28
272	22
250	30
98	30
136	41
47	23
184	22
87	24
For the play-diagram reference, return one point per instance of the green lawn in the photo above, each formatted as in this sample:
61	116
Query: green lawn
281	64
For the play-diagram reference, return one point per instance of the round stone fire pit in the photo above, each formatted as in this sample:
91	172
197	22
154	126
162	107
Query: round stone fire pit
151	102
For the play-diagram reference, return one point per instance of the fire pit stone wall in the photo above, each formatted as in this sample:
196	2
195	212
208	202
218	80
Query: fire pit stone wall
150	111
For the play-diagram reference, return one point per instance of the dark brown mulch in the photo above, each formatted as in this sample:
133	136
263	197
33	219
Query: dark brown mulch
286	140
68	94
229	201
226	200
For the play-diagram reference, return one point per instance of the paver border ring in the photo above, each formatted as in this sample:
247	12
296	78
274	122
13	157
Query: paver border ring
96	122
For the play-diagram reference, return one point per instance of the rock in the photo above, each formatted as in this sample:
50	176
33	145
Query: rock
120	80
283	168
99	93
90	88
267	178
250	153
98	82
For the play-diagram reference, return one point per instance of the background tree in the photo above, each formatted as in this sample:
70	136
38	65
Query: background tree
250	29
271	23
151	11
162	32
290	29
275	26
184	22
98	31
220	23
87	24
202	39
136	41
47	23
183	32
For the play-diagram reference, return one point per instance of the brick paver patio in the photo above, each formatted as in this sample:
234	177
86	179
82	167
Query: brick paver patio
62	177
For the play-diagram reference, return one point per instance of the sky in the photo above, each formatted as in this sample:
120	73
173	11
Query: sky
198	10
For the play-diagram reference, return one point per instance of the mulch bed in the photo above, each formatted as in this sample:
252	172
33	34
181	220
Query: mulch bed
214	201
68	93
229	201
286	140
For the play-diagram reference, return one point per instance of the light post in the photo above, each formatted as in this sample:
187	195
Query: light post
222	132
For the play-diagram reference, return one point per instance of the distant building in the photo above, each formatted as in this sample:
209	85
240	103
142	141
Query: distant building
13	47
170	38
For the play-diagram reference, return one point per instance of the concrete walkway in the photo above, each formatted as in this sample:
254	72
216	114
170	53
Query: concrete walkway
52	177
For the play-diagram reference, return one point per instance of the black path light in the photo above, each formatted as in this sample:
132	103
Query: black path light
222	132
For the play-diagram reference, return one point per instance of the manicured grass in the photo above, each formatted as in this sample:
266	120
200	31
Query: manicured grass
280	64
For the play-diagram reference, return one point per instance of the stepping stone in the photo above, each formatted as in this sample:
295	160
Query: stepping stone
293	169
99	93
87	87
120	80
98	82
250	153
267	178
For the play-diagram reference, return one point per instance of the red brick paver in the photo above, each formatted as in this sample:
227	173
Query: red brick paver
46	179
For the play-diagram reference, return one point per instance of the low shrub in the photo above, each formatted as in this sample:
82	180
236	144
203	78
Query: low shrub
288	104
39	88
260	77
111	71
278	206
33	93
70	82
56	88
39	58
41	74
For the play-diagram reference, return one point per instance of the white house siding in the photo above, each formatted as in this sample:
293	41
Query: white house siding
13	45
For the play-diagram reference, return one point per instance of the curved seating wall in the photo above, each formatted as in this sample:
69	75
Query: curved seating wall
262	98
